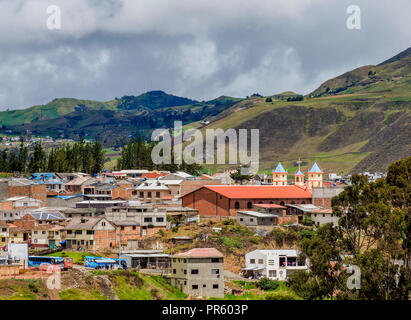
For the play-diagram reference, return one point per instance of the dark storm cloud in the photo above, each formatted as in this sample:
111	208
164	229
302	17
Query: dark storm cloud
199	49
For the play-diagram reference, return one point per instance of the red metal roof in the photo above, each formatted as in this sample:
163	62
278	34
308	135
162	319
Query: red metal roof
270	205
260	192
201	253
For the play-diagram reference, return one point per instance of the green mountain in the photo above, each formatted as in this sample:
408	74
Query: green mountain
113	122
360	120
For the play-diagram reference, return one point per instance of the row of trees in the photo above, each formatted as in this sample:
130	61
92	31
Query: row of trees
373	236
137	155
79	156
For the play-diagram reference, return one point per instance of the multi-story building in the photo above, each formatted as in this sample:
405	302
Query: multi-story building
273	264
90	233
139	219
198	272
49	235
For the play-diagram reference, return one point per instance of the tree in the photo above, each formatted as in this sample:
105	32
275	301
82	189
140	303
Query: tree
240	178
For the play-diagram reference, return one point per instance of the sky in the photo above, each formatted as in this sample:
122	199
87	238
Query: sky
200	49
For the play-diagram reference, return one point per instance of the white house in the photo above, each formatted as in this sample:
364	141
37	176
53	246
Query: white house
273	264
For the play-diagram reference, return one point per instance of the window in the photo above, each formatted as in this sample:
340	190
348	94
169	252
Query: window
251	219
215	286
302	202
43	232
237	205
260	261
215	260
91	242
204	285
241	219
79	232
134	227
90	232
249	204
103	224
160	219
194	271
252	261
174	271
281	203
141	194
148	219
272	273
69	232
149	194
35	232
215	271
185	271
157	194
194	287
122	227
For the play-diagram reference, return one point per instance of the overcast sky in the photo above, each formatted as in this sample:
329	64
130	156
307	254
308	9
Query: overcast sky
199	49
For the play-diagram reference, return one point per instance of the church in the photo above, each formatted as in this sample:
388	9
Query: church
315	177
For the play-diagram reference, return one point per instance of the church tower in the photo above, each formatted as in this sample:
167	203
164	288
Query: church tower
299	176
280	176
315	177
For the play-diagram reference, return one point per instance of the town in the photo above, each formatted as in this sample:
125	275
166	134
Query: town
159	223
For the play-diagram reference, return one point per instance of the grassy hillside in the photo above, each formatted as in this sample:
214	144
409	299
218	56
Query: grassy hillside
366	126
357	121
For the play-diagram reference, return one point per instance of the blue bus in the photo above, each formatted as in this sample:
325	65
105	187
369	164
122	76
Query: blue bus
104	263
40	261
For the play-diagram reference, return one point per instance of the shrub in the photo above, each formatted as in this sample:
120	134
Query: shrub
269	99
232	242
32	286
307	221
267	284
307	233
174	229
278	236
228	222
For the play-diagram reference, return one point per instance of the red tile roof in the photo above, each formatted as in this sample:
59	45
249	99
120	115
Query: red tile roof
153	175
261	192
201	253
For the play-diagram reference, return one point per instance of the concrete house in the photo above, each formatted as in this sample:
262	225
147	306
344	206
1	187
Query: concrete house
273	264
90	233
198	272
47	235
153	191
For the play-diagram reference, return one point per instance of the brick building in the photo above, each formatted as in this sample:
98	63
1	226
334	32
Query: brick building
223	200
21	188
90	233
